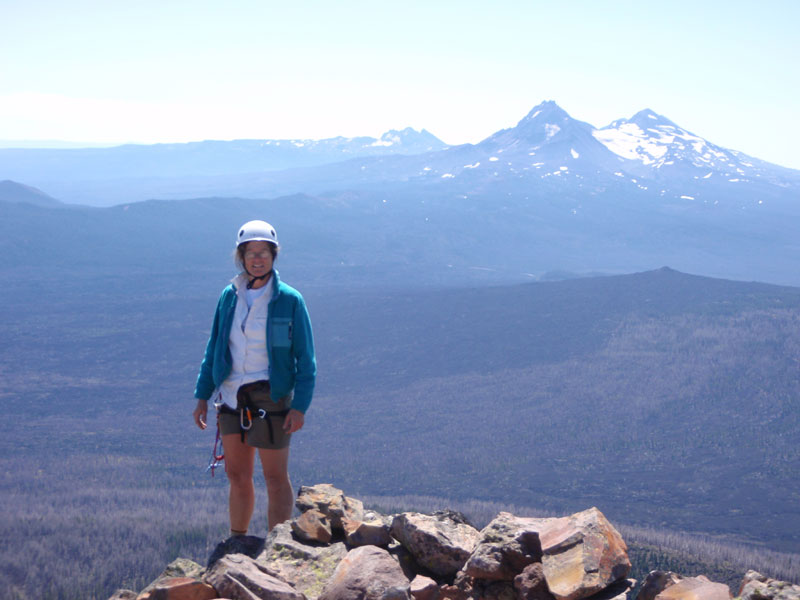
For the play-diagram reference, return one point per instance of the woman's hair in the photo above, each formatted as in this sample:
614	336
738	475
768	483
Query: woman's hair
238	253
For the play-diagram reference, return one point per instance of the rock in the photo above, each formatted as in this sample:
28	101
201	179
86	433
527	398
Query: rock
249	545
453	592
179	588
493	590
497	590
123	594
180	567
424	588
756	586
531	585
441	543
468	588
352	508
312	526
373	530
331	502
582	554
507	545
407	562
619	590
239	577
655	583
366	573
695	588
753	579
307	568
398	592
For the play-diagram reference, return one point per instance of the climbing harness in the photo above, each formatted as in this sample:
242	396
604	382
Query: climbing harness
246	413
246	419
265	415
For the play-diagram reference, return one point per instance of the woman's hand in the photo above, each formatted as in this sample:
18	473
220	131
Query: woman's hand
200	414
293	421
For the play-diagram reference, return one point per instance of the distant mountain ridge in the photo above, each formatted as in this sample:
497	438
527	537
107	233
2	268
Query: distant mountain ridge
11	191
210	157
551	194
548	151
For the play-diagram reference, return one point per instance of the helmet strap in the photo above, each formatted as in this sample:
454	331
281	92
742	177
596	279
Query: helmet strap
253	279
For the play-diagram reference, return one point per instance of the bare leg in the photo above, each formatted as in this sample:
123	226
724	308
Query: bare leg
275	464
239	464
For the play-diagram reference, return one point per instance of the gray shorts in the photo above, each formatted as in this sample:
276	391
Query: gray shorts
266	417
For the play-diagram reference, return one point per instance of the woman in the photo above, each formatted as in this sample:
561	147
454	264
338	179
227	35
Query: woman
259	370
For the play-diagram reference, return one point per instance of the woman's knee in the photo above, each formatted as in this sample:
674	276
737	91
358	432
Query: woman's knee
275	465
277	481
239	476
239	463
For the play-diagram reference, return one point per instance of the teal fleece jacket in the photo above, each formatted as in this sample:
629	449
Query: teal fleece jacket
290	346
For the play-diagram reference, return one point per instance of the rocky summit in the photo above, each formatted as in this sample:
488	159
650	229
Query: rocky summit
335	550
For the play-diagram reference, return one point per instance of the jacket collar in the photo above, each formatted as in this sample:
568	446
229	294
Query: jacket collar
240	282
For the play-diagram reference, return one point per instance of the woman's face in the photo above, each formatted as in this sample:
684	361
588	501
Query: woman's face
258	258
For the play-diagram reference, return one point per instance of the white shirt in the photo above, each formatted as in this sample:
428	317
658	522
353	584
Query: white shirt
248	340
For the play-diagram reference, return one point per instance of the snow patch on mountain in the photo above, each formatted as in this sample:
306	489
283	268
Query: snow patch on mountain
630	142
656	142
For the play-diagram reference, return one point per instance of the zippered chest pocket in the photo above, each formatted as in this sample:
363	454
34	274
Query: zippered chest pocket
281	332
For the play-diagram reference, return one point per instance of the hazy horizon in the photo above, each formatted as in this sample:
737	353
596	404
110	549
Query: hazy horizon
203	71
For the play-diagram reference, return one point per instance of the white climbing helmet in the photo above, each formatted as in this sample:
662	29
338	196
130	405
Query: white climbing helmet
256	231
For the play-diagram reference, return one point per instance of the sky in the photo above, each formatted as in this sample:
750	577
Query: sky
110	72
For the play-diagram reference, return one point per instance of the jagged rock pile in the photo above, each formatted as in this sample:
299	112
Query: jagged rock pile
335	550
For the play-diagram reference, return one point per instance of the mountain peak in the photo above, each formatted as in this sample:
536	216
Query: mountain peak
647	119
411	139
547	111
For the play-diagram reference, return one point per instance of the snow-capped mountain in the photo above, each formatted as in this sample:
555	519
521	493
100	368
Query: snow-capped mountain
546	142
548	153
660	145
645	154
551	193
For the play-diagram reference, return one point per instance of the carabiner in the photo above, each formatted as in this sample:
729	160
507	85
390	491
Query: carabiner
249	419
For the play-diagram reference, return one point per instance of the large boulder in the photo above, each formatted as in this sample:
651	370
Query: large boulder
655	583
180	588
312	526
582	554
306	567
695	588
507	545
619	590
239	577
756	586
249	545
372	530
180	567
367	573
331	502
441	542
